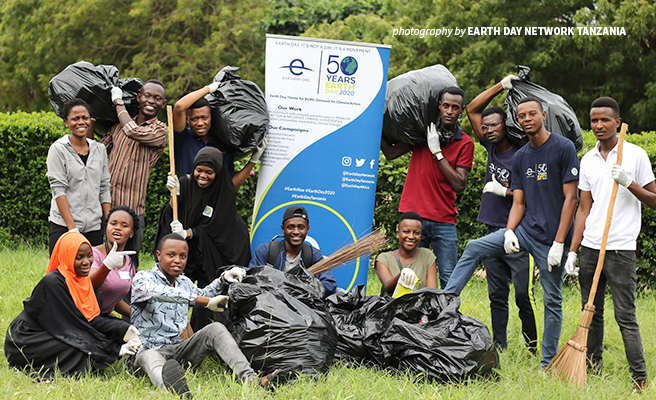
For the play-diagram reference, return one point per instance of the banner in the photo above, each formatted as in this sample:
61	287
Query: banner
326	100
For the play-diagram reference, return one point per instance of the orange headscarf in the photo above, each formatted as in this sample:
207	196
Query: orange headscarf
80	287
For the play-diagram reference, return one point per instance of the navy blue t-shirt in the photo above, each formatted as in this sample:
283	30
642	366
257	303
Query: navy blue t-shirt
187	146
494	209
541	172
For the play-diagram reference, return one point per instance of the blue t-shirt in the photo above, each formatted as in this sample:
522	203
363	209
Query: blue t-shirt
187	146
494	209
541	172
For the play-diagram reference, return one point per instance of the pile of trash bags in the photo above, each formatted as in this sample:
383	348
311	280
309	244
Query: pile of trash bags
411	103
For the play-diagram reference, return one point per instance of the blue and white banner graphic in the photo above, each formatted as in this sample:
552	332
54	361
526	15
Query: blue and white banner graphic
326	101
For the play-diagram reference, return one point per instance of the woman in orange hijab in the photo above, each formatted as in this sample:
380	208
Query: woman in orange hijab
60	326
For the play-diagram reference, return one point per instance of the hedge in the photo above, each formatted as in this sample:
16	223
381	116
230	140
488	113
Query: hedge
25	195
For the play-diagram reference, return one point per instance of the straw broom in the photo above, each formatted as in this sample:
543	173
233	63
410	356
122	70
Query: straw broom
369	243
570	362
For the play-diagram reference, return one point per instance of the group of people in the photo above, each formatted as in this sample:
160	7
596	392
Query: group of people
528	204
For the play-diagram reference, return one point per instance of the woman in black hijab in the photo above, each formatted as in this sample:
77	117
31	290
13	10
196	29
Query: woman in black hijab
208	220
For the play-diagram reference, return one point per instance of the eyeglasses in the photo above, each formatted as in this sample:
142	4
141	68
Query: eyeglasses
485	128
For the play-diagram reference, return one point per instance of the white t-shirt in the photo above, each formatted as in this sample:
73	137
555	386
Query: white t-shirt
596	178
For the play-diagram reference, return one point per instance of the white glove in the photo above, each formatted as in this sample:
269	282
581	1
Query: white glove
570	264
173	183
217	303
407	277
510	242
433	139
555	255
115	258
213	86
176	227
507	81
619	174
495	187
255	157
117	94
130	348
131	334
234	275
74	230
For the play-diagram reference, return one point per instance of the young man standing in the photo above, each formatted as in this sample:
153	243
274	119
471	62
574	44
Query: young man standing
545	175
490	127
636	180
194	109
436	173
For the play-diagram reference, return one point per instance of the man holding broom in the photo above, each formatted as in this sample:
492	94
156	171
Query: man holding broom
636	180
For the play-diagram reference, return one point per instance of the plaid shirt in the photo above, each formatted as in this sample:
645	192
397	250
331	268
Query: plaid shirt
160	310
134	150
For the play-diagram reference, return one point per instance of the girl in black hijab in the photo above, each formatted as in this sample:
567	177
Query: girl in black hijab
208	220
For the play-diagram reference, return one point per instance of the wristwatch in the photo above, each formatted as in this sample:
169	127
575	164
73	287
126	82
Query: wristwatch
119	103
439	156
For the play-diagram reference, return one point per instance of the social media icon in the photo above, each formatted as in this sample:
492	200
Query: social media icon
359	162
371	164
346	161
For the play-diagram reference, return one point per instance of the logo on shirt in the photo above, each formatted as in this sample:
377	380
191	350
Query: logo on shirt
208	211
502	174
575	171
542	172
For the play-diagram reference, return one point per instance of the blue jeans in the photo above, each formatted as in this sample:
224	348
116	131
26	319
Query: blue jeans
443	239
552	282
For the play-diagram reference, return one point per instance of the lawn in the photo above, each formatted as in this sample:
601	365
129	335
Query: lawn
520	376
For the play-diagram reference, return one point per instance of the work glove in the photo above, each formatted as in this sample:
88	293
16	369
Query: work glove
74	230
115	258
176	227
217	303
510	242
507	81
130	348
407	278
555	255
570	264
213	86
619	174
131	334
173	184
117	94
234	275
255	157
433	139
495	187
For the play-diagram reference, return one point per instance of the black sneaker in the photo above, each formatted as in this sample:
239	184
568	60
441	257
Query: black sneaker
174	379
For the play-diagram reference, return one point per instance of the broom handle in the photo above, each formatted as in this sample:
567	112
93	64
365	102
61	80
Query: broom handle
174	195
609	216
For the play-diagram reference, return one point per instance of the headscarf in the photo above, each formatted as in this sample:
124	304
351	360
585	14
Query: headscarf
80	287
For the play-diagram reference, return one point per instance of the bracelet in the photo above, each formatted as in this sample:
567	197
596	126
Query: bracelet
121	112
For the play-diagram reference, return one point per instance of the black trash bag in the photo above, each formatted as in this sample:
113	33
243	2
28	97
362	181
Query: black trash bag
281	322
240	117
349	311
411	103
561	118
93	84
449	346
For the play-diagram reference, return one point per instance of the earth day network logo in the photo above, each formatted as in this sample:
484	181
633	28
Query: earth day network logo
348	65
297	66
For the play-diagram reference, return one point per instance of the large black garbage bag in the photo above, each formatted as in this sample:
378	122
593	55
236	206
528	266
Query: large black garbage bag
411	103
93	84
240	117
448	346
349	312
281	322
561	118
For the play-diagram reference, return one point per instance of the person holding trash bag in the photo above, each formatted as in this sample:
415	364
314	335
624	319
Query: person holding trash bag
79	178
545	175
293	250
60	327
194	110
409	263
134	147
436	173
160	305
208	221
636	185
490	128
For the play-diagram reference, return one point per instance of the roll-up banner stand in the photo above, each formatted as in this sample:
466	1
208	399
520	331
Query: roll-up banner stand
326	101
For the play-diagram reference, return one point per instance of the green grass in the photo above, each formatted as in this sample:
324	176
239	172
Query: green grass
520	375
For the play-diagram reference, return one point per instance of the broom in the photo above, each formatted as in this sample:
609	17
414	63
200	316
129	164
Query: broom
367	244
570	362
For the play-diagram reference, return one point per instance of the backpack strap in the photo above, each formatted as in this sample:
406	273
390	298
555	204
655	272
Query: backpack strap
306	255
274	251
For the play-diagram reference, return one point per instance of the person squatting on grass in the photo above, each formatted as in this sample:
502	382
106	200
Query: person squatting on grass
490	127
636	185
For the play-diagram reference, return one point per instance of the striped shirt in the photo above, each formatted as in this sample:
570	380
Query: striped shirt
134	150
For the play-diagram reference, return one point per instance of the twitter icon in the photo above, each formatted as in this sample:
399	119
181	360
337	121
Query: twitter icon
359	162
